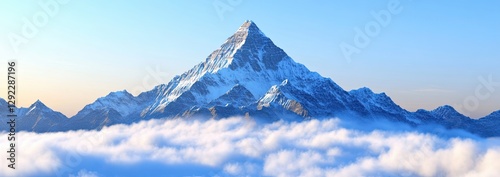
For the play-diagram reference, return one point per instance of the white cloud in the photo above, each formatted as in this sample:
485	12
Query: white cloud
239	147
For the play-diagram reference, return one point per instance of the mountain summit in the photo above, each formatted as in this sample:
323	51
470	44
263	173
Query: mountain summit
250	61
39	118
248	75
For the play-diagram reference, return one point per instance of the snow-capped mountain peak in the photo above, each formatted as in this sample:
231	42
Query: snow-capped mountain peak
446	110
247	58
362	92
248	30
247	46
380	104
121	101
39	117
38	106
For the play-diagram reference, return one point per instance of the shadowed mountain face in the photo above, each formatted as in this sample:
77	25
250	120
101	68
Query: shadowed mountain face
247	76
38	118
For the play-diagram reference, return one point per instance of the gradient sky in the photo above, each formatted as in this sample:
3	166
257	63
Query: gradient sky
430	54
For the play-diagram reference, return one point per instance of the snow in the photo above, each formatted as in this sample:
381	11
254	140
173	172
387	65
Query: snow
31	109
121	101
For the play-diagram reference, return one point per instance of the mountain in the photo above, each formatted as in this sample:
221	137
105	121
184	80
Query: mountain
4	111
248	75
37	117
446	116
489	125
105	111
249	61
381	105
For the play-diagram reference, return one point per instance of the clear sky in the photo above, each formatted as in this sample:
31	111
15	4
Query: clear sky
427	54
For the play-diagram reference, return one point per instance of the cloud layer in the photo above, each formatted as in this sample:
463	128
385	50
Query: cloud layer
241	147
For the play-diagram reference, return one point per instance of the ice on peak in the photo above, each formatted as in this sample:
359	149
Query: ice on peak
223	57
247	30
250	27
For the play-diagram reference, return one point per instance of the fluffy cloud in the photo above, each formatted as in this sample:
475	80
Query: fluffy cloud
241	147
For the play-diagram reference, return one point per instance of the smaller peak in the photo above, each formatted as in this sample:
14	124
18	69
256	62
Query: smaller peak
119	93
447	111
362	90
495	113
38	104
122	91
421	111
38	101
444	108
493	116
365	89
237	88
365	92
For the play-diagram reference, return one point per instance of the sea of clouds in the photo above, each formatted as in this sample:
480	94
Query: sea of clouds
242	147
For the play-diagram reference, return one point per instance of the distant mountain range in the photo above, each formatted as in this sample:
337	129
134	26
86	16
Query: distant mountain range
247	76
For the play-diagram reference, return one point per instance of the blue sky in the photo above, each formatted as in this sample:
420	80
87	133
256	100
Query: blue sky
429	54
